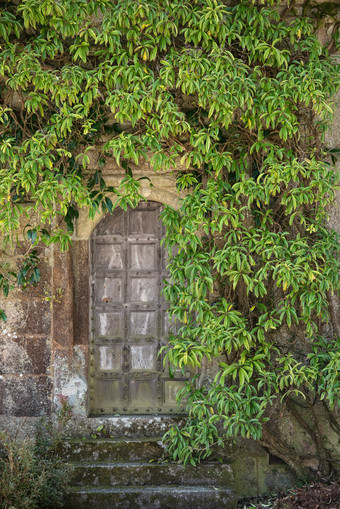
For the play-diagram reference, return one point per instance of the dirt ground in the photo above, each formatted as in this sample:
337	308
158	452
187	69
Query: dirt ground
315	496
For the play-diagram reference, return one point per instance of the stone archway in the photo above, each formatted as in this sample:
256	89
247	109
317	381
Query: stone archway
71	326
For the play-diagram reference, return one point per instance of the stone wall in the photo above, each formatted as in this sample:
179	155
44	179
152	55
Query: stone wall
26	344
44	344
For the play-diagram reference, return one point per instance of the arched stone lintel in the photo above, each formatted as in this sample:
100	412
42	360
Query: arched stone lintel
161	188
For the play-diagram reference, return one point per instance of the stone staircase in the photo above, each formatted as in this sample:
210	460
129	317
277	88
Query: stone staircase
128	472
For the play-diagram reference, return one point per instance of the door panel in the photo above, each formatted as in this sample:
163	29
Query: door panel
129	316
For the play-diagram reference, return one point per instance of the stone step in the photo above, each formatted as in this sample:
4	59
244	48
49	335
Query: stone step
151	497
121	426
106	450
142	473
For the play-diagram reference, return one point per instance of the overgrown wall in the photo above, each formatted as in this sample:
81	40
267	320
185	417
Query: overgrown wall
44	344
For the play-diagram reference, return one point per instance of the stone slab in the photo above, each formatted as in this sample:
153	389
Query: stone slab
151	497
125	474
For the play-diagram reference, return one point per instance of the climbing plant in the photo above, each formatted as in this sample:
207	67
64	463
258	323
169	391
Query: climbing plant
237	96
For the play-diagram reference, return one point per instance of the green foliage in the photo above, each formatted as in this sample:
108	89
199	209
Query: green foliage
238	96
31	474
28	273
25	481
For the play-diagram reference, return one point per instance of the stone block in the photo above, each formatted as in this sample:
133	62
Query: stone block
81	292
37	317
27	316
39	351
70	378
62	368
63	305
14	358
25	396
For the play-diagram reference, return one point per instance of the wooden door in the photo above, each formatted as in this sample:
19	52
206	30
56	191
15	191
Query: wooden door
129	318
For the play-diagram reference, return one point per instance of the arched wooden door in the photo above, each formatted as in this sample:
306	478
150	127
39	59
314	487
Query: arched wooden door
129	319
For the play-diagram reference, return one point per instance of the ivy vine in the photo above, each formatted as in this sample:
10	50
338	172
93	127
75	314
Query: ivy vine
237	96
